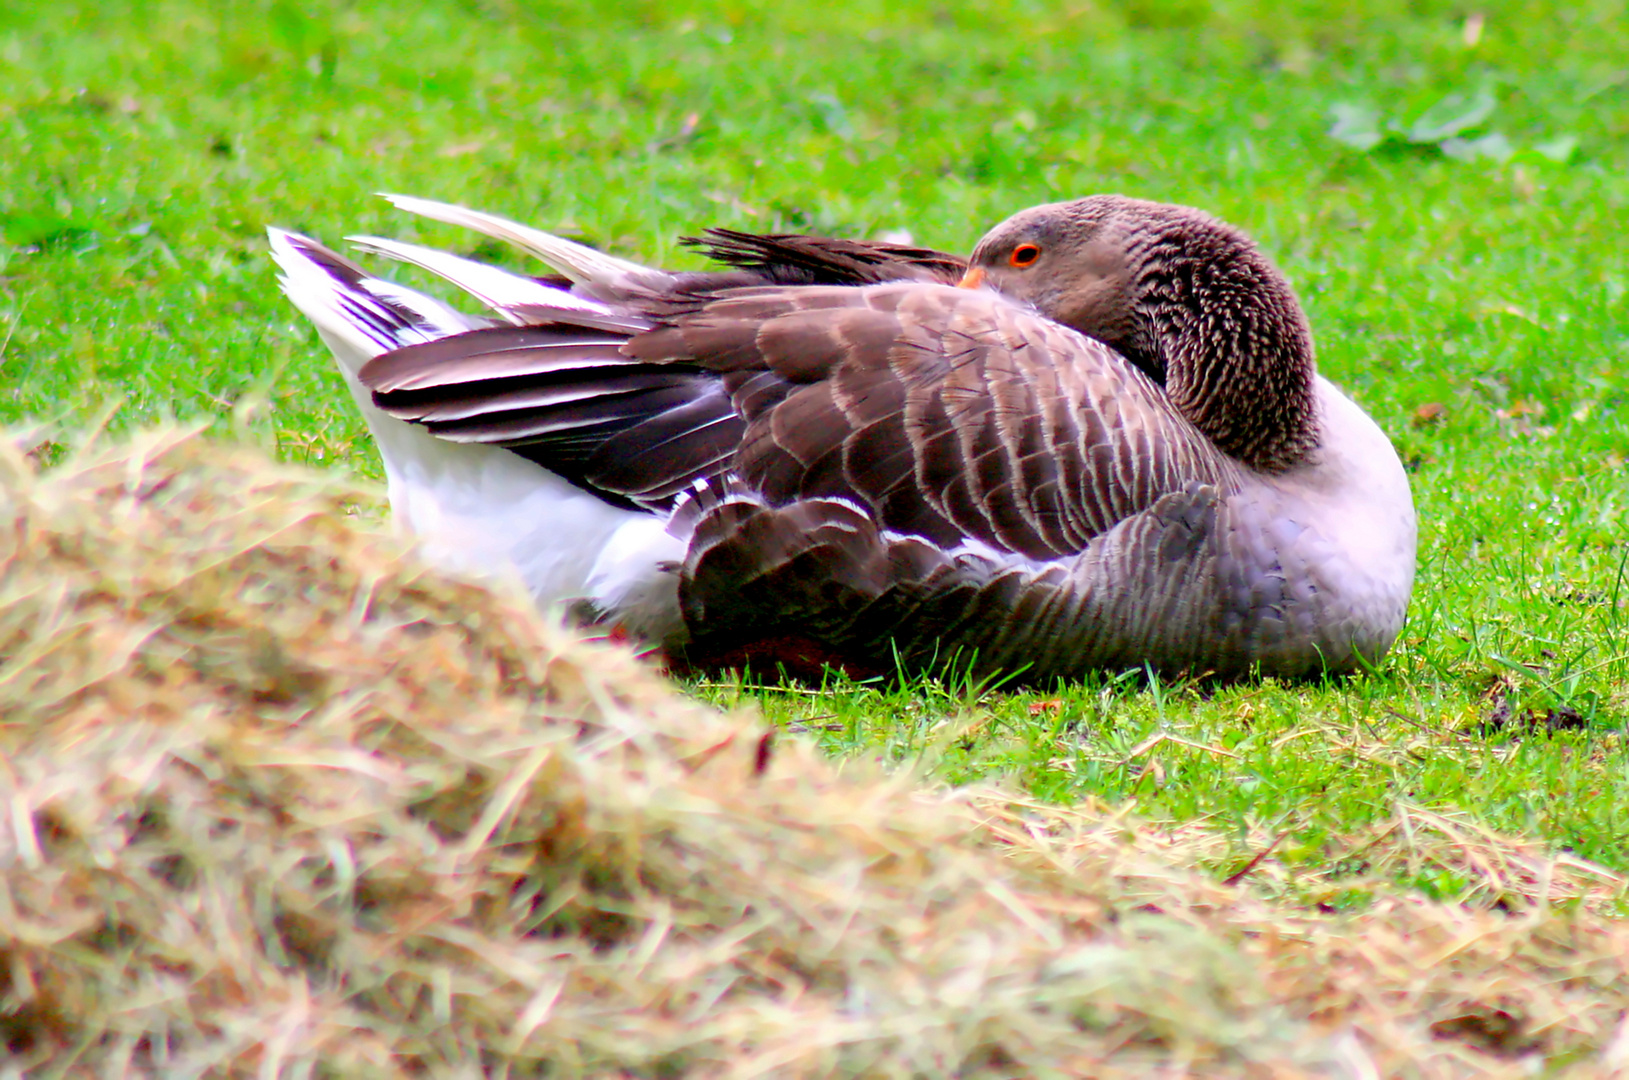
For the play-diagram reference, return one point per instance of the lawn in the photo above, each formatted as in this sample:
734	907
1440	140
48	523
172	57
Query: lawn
1445	187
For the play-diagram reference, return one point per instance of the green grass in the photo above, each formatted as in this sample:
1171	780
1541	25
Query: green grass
147	146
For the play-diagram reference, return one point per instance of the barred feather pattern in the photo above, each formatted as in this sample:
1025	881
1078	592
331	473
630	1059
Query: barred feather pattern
951	414
1194	584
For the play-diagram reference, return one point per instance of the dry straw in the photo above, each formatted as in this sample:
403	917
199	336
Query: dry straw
277	801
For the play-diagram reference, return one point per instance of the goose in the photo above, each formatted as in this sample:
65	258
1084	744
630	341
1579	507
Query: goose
1101	442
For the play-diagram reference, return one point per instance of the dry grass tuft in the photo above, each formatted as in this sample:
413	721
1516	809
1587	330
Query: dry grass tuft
275	800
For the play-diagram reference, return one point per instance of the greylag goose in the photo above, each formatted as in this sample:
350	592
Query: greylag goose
1107	448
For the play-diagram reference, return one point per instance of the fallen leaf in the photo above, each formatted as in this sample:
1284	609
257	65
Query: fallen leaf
1429	413
1036	708
1494	147
1502	714
1492	1031
1471	32
1356	126
1453	115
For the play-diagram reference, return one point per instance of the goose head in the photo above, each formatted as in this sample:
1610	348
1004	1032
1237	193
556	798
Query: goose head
1188	299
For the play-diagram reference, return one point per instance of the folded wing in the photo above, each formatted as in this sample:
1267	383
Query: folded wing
949	414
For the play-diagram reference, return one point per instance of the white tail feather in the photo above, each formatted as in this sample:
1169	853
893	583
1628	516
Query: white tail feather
498	289
361	320
438	316
580	263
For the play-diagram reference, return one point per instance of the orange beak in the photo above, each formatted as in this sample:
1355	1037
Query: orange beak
972	279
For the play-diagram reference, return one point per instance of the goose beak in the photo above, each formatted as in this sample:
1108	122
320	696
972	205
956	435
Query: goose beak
972	279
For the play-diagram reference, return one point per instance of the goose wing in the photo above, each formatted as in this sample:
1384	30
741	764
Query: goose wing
953	415
566	396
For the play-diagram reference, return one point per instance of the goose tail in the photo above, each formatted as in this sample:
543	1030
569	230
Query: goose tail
358	315
481	509
592	271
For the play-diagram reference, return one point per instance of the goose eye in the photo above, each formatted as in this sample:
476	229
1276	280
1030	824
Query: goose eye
1024	255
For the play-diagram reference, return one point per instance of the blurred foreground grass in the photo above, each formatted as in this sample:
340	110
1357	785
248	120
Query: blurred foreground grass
278	801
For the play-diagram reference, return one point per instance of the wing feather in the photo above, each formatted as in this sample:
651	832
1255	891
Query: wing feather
952	414
795	259
949	412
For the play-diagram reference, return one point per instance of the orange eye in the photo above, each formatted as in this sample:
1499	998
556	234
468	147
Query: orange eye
1024	255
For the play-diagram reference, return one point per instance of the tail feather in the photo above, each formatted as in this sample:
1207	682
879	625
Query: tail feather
522	301
582	264
510	295
437	319
360	316
476	508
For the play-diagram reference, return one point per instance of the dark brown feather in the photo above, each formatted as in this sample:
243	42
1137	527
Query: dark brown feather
795	259
965	413
500	352
567	425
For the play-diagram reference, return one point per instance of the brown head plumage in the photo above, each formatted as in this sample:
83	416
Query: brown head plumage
1188	299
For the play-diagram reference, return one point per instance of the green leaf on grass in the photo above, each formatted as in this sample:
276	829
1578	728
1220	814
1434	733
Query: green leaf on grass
1452	115
1493	146
833	116
1559	149
1358	126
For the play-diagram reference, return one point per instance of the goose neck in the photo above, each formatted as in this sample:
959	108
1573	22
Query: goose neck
1236	355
